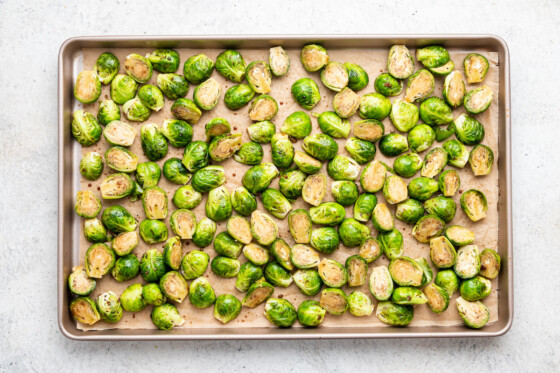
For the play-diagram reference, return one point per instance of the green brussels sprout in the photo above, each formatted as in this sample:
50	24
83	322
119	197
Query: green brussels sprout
263	108
359	304
361	150
449	183
148	174
121	159
332	273
370	250
281	253
117	219
79	283
240	229
282	150
230	65
238	95
151	97
434	162
164	60
474	204
345	192
259	76
153	295
407	165
136	111
387	85
443	70
374	106
443	134
132	300
166	316
261	132
263	227
346	103
85	128
186	110
87	204
382	218
381	283
481	159
183	223
201	293
357	268
427	273
310	313
306	93
198	68
400	62
174	286
468	130
297	125
126	268
448	281
88	87
91	166
136	193
84	311
207	94
353	233
325	240
194	264
307	163
394	314
474	314
406	272
153	142
173	86
314	57
259	292
409	211
437	298
226	308
490	263
291	183
116	186
280	312
442	252
393	144
154	201
458	155
476	288
218	204
279	61
407	295
334	301
153	231
404	115
224	146
204	233
420	86
392	243
196	157
308	281
395	190
277	275
328	213
119	133
138	68
304	257
435	112
123	89
373	177
243	202
259	177
334	76
125	242
320	146
227	246
432	56
300	225
248	274
342	167
186	197
422	188
454	89
421	138
174	171
358	79
468	262
178	132
173	253
364	206
108	112
250	153
208	178
216	127
107	67
443	207
459	236
428	227
476	67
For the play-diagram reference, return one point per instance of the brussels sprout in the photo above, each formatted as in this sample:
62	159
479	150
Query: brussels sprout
408	296
198	68
364	206
422	188
207	94
361	150
261	132
304	257
250	153
342	167
87	204
332	273
358	78
490	263
310	313
88	87
394	314
248	274
282	150
409	211
443	70
278	61
173	252
476	67
432	56
334	301
427	273
186	110
306	93
148	174
346	103
227	246
381	283
374	106
474	204
136	193
119	133
370	250
454	89
138	68
208	178
392	243
174	171
84	311
218	205
359	304
420	138
259	76
434	162
291	183
334	76
400	62
353	233
325	240
306	163
178	132
259	292
442	207
164	60
468	130
393	144
395	190
437	297
449	183
314	57
277	275
387	85
204	233
281	252
404	115
308	281
468	262
117	219
106	67
443	134
297	125
153	231
79	282
459	236
153	142
186	197
238	96
85	128
116	186
373	177
328	213
382	218
196	157
407	165
435	112
448	281
476	288
280	312
357	268
166	316
121	159
174	286
420	86
442	252
123	89
108	112
154	200
481	159
259	177
136	111
151	97
132	300
240	229
152	294
345	192
474	314
126	268
320	146
183	223
406	272
230	65
224	146
91	166
243	202
226	308
300	225
428	227
173	86
263	227
263	108
201	293
194	264
458	154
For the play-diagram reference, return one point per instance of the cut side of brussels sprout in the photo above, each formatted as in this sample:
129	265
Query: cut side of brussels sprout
382	218
334	300
478	100
183	223
263	227
116	186
174	286
224	146
84	311
304	257
278	61
173	252
186	110
314	57
481	159
490	263
370	250
406	272
395	190
468	262
438	299
459	236
474	314
333	274
346	103
420	86
154	200
369	130
259	77
434	162
474	204
400	62
357	268
308	281
325	240
194	264
334	76
314	189
240	229
121	159
124	243
442	252
87	204
257	294
79	282
119	133
281	253
207	94
99	260
138	68
381	283
373	177
449	183
256	254
428	227
263	108
454	89
408	296
443	70
476	67
307	163
306	93
359	304
300	225
88	87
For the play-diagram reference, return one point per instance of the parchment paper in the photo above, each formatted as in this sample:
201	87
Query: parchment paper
374	62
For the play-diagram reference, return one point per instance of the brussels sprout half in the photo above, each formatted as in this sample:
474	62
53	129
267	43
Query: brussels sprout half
490	263
420	86
357	268
173	252
395	190
204	233
198	68
467	264
370	250
107	67
248	274
434	162
152	231
310	313
117	219
263	108
196	156
407	295
183	223
373	177
435	112
297	125
194	264
116	186
238	95
282	150
476	288
91	166
259	292
369	130
243	202
328	213
474	204
121	159
345	192
281	253
481	159
432	56
381	283
280	312
374	106
154	201
442	252
178	132
474	314
422	188
308	281
138	68
291	183
94	231
208	178
240	229
79	283
382	218
342	167
109	307
164	60
392	243
334	301
346	103
261	132
404	115
334	76
400	62
207	94
259	76
226	245
421	138
454	89
306	163
476	67
99	260
151	97
166	316
278	61
108	111
409	211
84	311
173	86
277	275
87	204
88	87
353	233
85	128
218	204
119	133
359	304
333	274
394	144
256	254
153	142
224	146
438	298
123	89
201	293
263	227
259	177
428	227
459	236
449	183
304	257
363	207
126	268
174	286
306	93
358	78
314	57
407	165
186	110
468	130
320	146
230	65
226	308
250	153
406	272
448	281
325	240
153	295
443	207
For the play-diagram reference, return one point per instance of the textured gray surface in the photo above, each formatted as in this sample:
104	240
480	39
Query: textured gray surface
30	35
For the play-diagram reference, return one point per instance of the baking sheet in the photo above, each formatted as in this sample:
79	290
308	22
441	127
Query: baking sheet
374	62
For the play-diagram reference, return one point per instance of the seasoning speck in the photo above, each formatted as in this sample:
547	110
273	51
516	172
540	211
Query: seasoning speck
98	188
234	128
89	185
281	296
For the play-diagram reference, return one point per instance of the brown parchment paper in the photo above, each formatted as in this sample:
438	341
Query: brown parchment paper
374	62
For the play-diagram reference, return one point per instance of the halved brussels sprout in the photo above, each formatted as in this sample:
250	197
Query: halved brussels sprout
353	233
186	197
79	282
207	94
291	183
196	156
224	146
174	286
263	108
250	153
117	219
136	193
186	110
126	268
359	304
448	281
178	132
263	227
395	190
227	246
346	103
116	186
175	172
361	150
204	233
468	130
208	178
474	314
421	138
438	298
85	128
334	301
458	155
151	97
119	133
84	311
123	89
152	294
434	162
432	56
325	240
240	229
306	93
91	166
259	177
154	201
406	272
459	236
248	274
297	125
400	62
108	111
259	76
443	207
183	223
476	288
277	275
256	254
107	66
388	85
99	260
449	183
357	268
342	167
334	76
121	159
230	65
87	204
132	300
281	253
282	150
198	68
454	89
308	281
407	165
173	86
238	96
333	274
428	274
373	177
428	227
364	206
393	144
88	87
443	134
148	174
382	218
420	86
218	204
304	257
468	262
407	295
201	293
490	263
345	192
476	67
358	78
474	204
314	57
404	115
259	292
243	202
320	146
422	188
392	243
280	312
125	242
481	159
166	316
153	231
153	142
300	225
138	68
435	112
152	266
310	313
370	250
173	252
374	106
443	70
306	163
409	211
278	61
164	60
194	264
226	308
328	213
261	132
381	283
442	252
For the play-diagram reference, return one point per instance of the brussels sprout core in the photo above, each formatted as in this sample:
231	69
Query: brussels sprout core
258	293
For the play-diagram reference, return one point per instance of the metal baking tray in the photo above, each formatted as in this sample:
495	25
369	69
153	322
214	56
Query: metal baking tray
70	53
